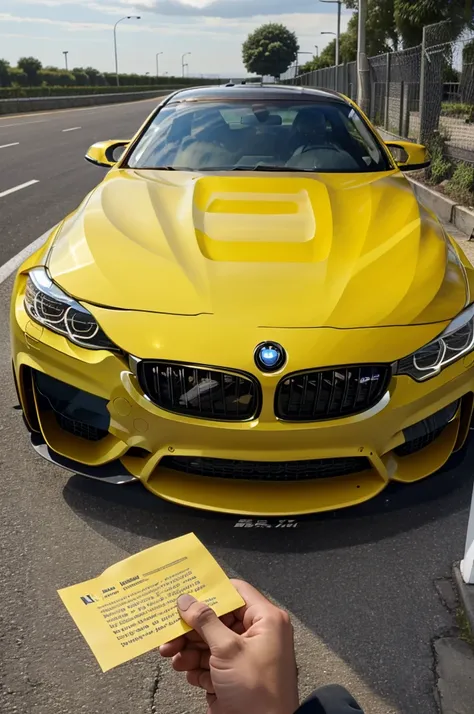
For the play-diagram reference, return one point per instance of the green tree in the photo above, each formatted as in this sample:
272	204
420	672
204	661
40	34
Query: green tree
81	77
327	58
30	66
390	22
4	73
382	35
18	77
468	53
270	50
412	15
54	77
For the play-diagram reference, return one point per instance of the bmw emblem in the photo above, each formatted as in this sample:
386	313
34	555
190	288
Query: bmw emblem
270	356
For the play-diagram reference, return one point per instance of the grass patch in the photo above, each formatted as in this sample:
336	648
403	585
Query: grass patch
458	110
464	627
441	167
460	186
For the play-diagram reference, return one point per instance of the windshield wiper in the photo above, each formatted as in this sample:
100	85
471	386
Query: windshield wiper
270	167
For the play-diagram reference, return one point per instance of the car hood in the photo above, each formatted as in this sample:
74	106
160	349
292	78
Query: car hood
265	250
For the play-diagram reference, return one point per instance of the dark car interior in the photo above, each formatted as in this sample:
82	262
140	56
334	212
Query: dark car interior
312	137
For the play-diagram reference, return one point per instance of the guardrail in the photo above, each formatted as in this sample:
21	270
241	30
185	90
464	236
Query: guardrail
37	104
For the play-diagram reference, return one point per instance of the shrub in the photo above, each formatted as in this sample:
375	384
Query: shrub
459	110
441	167
51	77
17	77
461	185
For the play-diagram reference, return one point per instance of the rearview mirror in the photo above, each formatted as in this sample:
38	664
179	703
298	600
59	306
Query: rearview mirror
106	153
409	156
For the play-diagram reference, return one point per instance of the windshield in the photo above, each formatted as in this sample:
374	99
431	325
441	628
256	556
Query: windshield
228	136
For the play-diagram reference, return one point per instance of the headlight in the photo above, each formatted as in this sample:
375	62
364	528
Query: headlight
456	341
47	304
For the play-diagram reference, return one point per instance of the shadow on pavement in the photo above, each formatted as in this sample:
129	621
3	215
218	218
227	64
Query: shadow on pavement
398	509
360	580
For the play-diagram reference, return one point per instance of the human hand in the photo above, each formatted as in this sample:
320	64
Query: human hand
245	661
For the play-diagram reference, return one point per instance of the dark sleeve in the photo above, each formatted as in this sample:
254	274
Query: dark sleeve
332	699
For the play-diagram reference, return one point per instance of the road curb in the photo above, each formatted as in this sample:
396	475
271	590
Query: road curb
442	206
463	219
466	596
23	105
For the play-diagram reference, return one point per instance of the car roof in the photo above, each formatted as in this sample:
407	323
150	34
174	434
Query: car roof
256	92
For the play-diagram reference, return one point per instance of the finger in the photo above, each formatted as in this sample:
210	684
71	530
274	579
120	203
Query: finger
210	699
201	678
256	607
193	636
251	595
204	620
238	628
228	620
191	659
171	648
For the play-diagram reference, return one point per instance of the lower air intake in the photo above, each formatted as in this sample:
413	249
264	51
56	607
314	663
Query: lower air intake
266	470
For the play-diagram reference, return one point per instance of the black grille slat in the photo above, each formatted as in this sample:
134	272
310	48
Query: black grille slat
372	383
266	470
421	442
201	392
223	392
360	375
305	392
330	393
80	428
183	387
196	380
345	392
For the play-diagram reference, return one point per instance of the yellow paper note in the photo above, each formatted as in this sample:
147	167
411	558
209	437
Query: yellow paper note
131	608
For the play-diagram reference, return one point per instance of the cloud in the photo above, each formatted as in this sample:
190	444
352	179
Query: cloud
65	24
49	38
225	9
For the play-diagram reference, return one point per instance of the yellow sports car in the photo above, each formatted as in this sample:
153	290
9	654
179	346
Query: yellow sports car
251	313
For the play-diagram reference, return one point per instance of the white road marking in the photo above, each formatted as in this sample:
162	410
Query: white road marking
5	146
74	128
27	115
18	188
11	265
23	123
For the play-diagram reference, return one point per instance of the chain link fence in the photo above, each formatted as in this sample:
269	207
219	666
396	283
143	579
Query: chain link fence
417	92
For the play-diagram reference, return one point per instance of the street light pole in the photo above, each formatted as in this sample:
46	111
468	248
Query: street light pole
301	53
182	61
317	50
128	17
363	73
338	30
65	53
157	66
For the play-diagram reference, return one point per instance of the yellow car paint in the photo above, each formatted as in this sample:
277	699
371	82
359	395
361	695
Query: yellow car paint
200	268
321	248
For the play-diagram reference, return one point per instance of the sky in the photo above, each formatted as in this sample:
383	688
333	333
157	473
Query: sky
212	30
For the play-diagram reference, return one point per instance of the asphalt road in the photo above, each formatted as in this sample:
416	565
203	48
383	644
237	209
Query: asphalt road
360	585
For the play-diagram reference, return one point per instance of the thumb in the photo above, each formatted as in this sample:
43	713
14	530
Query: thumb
205	622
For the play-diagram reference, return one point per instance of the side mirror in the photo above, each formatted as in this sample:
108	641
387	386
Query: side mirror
106	153
409	156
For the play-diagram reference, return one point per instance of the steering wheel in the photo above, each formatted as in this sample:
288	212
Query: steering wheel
312	147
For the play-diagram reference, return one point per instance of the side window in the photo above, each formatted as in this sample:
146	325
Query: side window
360	132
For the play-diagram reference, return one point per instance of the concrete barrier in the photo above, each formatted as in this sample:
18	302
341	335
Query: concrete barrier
39	104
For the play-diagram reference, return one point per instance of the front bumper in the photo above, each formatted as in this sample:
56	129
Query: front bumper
140	435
